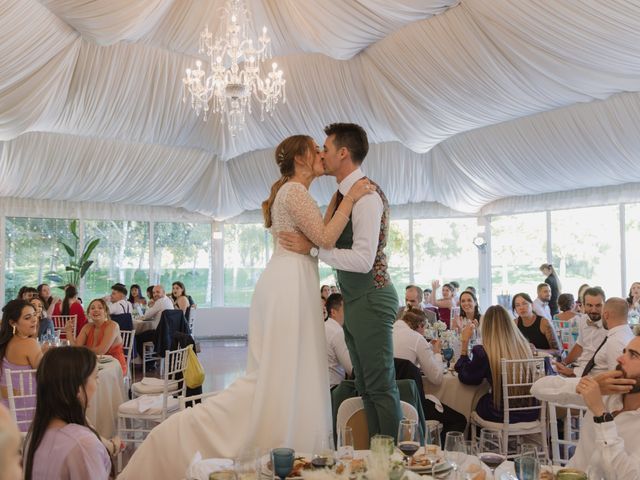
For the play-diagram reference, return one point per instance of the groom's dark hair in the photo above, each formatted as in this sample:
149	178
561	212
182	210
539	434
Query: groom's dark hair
352	137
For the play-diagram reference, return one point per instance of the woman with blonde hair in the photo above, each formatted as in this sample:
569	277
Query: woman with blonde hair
501	339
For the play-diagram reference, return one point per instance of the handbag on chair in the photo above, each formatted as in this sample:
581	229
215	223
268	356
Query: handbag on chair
194	373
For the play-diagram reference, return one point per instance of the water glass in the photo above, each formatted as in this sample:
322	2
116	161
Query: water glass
526	467
282	461
382	445
323	453
345	444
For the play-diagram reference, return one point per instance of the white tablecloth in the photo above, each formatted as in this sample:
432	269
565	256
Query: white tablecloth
142	325
102	411
451	392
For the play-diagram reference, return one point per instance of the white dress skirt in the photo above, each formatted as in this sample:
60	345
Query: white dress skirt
283	400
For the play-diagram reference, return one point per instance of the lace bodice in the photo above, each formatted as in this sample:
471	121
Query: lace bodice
295	210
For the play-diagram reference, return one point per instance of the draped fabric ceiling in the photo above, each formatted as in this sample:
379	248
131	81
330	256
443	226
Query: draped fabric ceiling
465	103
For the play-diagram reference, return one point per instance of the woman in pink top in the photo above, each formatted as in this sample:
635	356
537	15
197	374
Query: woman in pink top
71	306
60	444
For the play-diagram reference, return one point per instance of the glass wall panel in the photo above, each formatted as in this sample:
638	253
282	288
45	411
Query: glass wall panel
182	251
586	248
632	216
518	248
122	256
398	253
245	256
32	250
443	249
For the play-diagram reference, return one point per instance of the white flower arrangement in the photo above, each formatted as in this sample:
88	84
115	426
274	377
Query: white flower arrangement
448	336
440	326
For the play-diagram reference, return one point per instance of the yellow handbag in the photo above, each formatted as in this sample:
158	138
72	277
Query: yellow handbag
194	374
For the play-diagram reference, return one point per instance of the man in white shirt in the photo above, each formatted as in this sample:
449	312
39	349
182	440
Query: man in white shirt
608	445
591	333
160	304
337	352
541	303
118	302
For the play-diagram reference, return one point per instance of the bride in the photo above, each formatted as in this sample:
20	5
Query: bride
283	400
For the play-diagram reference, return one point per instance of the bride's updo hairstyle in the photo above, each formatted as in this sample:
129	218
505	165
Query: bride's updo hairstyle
285	159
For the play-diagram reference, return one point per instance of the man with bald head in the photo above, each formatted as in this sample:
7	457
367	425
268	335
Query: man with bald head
160	303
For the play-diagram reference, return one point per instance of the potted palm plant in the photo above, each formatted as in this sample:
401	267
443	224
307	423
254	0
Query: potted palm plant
79	262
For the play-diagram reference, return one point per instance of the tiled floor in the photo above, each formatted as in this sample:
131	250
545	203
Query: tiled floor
223	361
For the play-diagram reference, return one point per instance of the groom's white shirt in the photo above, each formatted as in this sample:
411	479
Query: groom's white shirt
366	216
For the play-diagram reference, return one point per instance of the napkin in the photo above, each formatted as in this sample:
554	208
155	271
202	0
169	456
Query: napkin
435	400
200	469
148	402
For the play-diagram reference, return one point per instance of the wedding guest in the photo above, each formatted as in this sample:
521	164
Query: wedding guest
19	350
160	304
70	305
469	310
45	325
27	293
118	300
456	290
337	352
471	289
412	296
541	303
566	305
44	292
554	284
447	300
135	295
325	291
60	444
426	299
634	298
580	299
180	298
101	335
10	445
335	289
537	329
150	295
501	339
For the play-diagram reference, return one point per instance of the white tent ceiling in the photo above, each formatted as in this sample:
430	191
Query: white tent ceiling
465	102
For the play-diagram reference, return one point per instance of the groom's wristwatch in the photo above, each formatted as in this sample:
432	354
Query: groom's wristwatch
605	417
314	251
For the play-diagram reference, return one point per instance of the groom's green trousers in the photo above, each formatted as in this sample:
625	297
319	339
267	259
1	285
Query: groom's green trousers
368	327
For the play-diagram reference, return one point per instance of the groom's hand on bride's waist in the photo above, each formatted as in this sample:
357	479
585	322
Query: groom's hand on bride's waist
295	242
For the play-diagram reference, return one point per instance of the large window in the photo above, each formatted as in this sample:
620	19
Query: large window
518	248
398	255
32	251
632	227
443	249
245	256
182	252
586	248
121	256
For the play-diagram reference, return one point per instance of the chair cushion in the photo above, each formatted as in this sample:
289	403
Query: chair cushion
513	427
150	385
151	405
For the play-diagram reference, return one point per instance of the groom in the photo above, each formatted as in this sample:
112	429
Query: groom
370	300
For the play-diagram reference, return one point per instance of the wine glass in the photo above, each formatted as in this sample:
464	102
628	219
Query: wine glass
432	442
282	461
408	438
447	354
490	449
323	454
454	450
345	444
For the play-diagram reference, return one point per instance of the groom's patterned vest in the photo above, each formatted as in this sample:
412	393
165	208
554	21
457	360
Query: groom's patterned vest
352	284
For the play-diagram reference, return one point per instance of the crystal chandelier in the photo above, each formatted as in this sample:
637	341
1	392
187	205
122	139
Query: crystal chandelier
234	71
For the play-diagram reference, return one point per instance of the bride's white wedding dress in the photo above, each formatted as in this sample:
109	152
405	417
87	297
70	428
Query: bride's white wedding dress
283	400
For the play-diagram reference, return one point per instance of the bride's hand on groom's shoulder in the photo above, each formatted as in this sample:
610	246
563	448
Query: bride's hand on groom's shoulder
361	188
294	242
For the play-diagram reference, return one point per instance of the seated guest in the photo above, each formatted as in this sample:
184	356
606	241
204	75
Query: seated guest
180	298
501	339
10	445
469	311
135	295
27	293
118	300
567	305
101	335
49	301
541	303
591	333
45	325
409	344
19	350
339	360
335	289
160	303
634	298
580	298
150	296
60	444
456	290
537	329
608	446
426	299
325	291
448	292
412	298
70	305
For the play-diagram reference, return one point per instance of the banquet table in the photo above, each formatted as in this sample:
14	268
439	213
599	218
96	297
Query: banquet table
142	325
462	398
102	411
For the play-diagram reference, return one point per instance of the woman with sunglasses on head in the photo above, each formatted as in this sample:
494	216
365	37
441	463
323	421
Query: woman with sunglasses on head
60	443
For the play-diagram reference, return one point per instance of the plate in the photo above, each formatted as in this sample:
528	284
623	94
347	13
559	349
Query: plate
440	468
